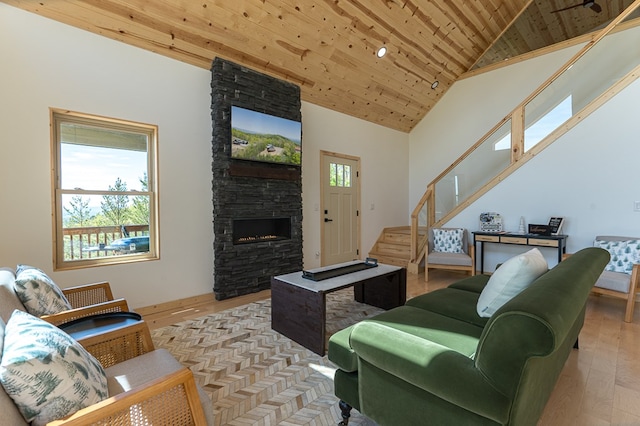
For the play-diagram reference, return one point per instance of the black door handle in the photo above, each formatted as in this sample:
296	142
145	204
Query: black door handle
328	220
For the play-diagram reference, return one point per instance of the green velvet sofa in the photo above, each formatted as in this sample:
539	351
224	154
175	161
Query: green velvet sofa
435	361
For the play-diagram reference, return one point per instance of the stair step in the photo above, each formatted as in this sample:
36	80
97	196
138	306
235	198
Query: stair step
397	238
390	249
389	260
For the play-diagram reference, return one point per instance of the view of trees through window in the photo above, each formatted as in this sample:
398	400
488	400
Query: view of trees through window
104	189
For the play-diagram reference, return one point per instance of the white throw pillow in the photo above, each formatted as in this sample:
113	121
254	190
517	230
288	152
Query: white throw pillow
39	294
510	279
47	373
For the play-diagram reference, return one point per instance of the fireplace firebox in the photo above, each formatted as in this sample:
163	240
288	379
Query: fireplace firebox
248	231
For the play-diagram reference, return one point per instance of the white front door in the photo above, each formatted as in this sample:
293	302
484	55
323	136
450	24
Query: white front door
340	218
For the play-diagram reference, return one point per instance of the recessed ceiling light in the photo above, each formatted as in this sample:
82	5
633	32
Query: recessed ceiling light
435	84
381	52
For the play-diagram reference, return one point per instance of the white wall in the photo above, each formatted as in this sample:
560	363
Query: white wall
383	156
589	176
47	64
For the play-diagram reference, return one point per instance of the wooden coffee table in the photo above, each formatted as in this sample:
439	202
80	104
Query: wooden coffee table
298	305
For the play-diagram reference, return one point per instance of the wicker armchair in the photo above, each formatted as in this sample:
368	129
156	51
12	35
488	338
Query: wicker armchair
88	299
165	393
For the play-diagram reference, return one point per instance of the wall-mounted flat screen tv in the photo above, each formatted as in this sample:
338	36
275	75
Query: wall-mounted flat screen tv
263	137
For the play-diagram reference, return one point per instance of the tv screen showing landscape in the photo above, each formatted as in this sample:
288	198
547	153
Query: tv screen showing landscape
263	137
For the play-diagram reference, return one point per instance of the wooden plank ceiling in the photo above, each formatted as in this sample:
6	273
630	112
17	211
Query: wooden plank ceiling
327	47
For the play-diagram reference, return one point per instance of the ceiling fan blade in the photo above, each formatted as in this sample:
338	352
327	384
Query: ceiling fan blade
596	8
568	8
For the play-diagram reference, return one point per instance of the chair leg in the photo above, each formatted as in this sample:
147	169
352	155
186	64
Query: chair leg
346	413
628	313
631	297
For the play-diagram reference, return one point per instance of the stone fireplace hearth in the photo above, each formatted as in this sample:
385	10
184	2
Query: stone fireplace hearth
257	207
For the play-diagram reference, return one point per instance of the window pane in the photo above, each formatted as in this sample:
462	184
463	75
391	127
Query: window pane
333	178
97	168
542	117
347	176
104	225
340	175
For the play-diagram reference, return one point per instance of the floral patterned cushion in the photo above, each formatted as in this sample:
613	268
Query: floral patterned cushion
448	240
39	294
47	373
623	254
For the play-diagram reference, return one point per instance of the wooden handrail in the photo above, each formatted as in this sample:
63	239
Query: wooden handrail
417	244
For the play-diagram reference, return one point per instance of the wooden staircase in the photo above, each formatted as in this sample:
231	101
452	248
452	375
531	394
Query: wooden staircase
393	246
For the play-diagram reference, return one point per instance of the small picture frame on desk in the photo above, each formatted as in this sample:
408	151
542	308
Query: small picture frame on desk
539	229
555	225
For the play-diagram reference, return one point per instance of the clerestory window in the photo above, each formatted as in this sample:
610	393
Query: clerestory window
105	190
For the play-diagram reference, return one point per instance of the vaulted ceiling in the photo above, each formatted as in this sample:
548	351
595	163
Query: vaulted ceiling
328	47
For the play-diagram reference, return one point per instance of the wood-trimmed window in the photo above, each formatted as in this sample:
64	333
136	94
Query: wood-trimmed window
105	190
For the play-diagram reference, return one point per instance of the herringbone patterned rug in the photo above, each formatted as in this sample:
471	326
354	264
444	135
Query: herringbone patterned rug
256	376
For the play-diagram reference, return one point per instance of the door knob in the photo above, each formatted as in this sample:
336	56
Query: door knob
328	220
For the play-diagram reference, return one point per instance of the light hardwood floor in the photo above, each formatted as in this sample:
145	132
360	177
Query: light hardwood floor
600	383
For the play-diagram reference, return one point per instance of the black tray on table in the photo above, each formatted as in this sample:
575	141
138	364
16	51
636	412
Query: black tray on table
341	270
99	323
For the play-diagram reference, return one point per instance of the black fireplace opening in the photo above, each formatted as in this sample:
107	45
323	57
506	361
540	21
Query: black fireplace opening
248	231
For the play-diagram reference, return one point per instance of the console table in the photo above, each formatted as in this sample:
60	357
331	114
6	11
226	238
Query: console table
558	242
299	305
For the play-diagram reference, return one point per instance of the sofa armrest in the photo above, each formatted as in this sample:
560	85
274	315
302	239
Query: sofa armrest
118	305
431	367
88	294
171	399
120	344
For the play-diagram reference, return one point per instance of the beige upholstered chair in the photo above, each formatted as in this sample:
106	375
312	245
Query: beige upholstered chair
439	258
625	254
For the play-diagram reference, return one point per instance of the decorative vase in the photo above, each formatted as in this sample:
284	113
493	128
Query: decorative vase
521	230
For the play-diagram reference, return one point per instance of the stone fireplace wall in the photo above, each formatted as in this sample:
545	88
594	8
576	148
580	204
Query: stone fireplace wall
251	190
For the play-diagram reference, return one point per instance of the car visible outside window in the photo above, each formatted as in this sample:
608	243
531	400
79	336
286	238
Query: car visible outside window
104	189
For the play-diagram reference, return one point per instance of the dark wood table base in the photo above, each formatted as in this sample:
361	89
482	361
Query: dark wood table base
300	313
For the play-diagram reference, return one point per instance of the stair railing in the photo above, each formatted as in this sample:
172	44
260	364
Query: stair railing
559	104
421	217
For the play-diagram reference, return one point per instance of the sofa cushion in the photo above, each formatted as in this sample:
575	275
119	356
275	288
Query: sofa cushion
624	254
448	240
457	335
510	279
47	373
451	302
475	284
124	376
616	281
39	294
457	259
